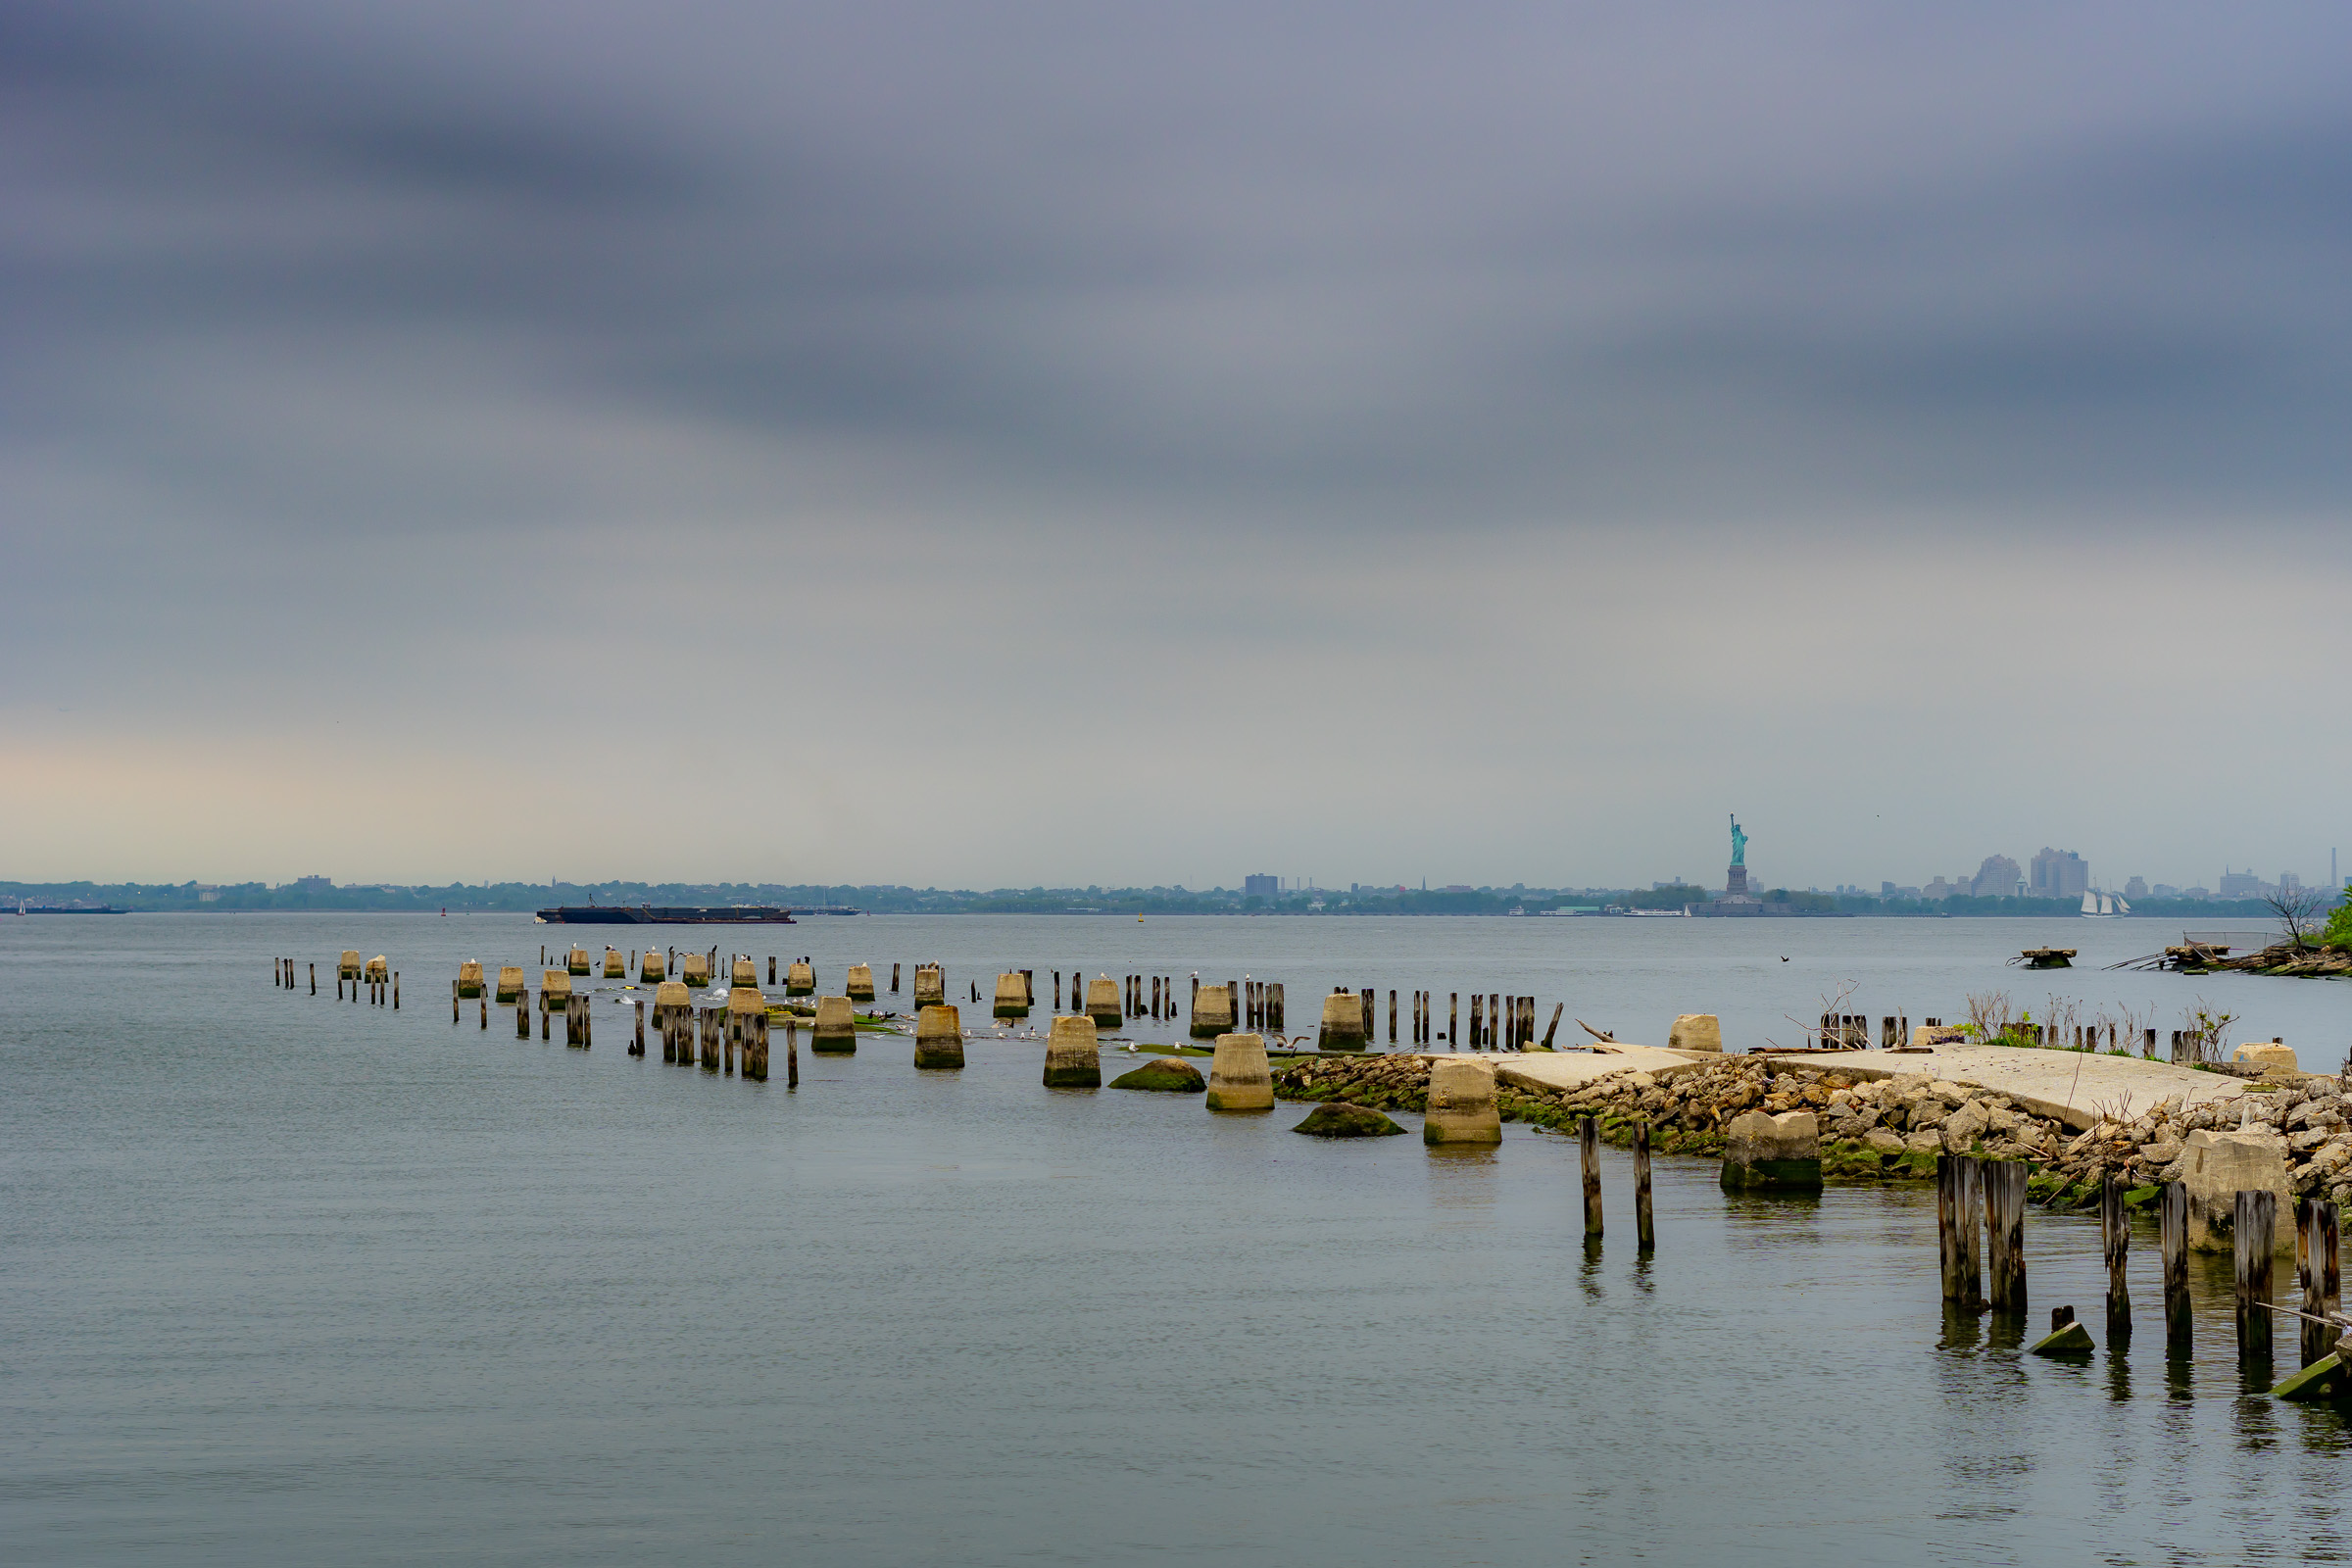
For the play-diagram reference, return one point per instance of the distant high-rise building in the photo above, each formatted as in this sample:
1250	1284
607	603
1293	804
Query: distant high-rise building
2240	885
1940	889
2058	874
1996	879
2135	889
1265	887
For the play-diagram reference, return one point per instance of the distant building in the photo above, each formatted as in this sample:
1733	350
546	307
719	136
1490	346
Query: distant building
1940	889
2240	885
1265	887
314	884
2058	874
2165	890
1996	879
2135	889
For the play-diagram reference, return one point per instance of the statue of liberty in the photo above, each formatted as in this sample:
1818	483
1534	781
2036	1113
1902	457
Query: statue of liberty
1738	841
1736	880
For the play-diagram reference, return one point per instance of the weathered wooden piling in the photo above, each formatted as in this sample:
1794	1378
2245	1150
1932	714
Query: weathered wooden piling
1453	1001
1645	1232
638	1047
1073	1055
792	1054
1365	1011
576	1021
1955	1232
1239	1077
2005	1233
1588	1146
894	979
313	979
714	1031
2254	1237
860	986
835	1031
1342	1027
522	1016
1213	1013
2115	1237
2179	1331
2323	1286
1478	1020
396	991
1461	1106
456	1008
1277	1022
1553	1028
1013	995
931	985
771	968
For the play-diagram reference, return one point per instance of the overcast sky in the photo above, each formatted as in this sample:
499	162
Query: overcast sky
1050	443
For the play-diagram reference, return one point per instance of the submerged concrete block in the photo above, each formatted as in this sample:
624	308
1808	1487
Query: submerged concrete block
1073	1060
510	982
1213	1013
1696	1031
2216	1167
1343	1022
1761	1150
470	978
1104	1007
1013	995
930	985
938	1037
835	1032
860	986
1239	1077
800	979
1461	1106
2073	1338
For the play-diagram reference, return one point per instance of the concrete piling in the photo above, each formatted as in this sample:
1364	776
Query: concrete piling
1461	1110
1013	995
1692	1031
615	966
469	979
743	973
939	1037
652	969
1073	1057
931	985
348	967
1342	1027
1763	1152
861	983
577	961
1103	1009
835	1031
1213	1013
1240	1078
800	979
693	969
510	982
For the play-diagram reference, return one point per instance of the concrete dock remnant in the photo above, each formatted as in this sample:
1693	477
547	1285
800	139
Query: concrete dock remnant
1696	1031
577	961
939	1037
860	984
510	983
469	979
1213	1013
1013	995
2219	1165
835	1032
930	984
1238	1078
1762	1151
1073	1056
555	988
694	968
1102	1005
617	967
1461	1106
800	979
652	969
2265	1054
1343	1022
743	972
380	970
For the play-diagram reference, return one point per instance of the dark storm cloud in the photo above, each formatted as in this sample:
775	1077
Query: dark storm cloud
1295	253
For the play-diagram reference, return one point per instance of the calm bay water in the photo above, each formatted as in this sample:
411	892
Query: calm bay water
294	1282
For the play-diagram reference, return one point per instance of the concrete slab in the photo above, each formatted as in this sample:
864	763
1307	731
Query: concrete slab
2069	1086
1573	1069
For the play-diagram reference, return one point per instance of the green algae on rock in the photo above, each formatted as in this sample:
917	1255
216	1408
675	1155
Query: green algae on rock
1339	1119
1166	1074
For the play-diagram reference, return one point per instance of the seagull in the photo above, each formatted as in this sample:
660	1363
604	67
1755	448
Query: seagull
1784	958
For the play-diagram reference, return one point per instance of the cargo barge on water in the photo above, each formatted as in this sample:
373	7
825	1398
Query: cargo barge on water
651	914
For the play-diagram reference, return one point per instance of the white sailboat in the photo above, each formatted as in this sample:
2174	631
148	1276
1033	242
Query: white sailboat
2098	906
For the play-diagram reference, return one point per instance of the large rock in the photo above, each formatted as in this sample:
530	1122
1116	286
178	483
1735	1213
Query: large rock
1762	1151
1461	1106
1341	1121
939	1037
1169	1075
1696	1031
1073	1055
2216	1167
1343	1022
1964	1127
1238	1078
